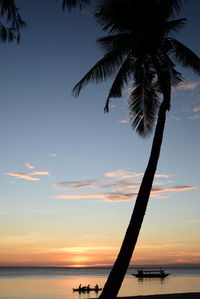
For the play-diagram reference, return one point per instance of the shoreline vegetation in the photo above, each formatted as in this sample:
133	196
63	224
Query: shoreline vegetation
165	296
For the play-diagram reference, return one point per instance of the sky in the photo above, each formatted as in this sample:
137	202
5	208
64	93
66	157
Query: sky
69	173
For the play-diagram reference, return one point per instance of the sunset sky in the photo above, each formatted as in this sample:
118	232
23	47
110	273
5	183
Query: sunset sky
70	173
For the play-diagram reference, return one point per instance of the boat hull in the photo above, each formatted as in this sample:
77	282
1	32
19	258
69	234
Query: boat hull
84	290
150	275
141	273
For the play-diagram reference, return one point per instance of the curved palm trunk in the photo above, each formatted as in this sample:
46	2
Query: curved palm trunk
116	276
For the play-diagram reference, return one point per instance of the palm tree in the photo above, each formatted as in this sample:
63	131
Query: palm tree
141	52
11	15
74	3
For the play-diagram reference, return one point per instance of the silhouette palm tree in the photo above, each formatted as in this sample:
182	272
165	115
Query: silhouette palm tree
74	3
10	14
141	52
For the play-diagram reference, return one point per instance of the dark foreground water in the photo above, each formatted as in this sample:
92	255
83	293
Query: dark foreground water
57	283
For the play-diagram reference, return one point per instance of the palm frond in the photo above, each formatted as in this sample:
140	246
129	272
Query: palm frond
121	79
102	70
6	34
167	69
176	77
174	25
174	5
121	15
170	7
144	102
119	41
184	56
10	12
69	4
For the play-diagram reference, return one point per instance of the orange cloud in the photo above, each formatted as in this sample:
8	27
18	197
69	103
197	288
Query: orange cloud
123	121
188	86
124	187
175	189
24	176
118	197
28	176
40	172
159	246
108	197
122	174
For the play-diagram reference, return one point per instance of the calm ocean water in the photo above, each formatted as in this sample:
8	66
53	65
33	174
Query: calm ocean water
57	283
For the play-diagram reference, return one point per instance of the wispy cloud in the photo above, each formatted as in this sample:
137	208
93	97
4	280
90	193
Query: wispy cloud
173	118
40	172
159	246
196	109
175	189
28	165
32	237
194	221
107	197
73	185
121	174
24	176
123	121
28	176
130	175
193	117
79	249
189	85
123	187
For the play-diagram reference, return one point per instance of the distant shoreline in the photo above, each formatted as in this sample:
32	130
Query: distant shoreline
110	267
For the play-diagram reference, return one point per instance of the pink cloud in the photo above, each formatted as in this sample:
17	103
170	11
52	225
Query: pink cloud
188	86
124	187
196	109
123	121
40	172
166	176
194	117
28	176
20	175
73	185
120	196
174	189
122	174
108	197
28	165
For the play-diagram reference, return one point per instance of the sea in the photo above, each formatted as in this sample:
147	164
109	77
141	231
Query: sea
57	283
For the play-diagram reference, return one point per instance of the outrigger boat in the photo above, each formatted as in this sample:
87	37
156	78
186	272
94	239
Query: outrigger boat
150	273
86	289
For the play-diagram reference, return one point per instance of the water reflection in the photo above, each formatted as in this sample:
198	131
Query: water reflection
152	280
61	286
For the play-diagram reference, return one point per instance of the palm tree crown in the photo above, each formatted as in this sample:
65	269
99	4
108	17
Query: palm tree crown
140	51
